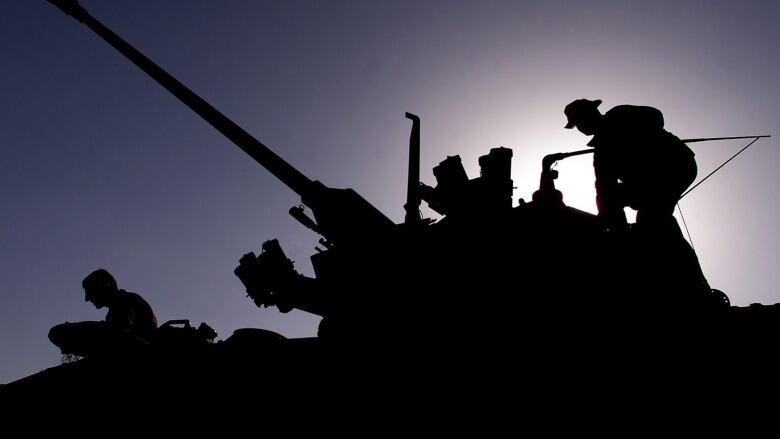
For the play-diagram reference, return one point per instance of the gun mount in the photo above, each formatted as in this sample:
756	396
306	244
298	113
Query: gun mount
547	193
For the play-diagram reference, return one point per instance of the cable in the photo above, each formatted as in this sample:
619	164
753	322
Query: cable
718	168
690	240
682	217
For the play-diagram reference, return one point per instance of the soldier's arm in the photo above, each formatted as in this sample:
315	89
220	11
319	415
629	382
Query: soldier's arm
609	197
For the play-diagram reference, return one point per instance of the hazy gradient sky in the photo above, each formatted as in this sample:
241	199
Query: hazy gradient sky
101	167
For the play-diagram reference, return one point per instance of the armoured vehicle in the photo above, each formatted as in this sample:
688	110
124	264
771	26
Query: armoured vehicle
486	291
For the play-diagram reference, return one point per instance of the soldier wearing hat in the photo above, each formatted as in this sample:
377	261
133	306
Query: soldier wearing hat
639	164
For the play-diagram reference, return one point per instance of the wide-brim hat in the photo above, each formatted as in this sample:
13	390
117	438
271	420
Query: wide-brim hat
574	110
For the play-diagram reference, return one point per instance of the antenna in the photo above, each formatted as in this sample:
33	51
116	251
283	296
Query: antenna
755	139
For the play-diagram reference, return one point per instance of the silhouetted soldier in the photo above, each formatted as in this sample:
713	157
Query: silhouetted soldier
641	165
129	322
637	162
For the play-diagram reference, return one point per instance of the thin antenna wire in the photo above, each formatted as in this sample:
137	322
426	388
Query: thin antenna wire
709	139
718	168
687	231
690	240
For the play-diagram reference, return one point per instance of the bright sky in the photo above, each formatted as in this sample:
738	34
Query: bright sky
101	167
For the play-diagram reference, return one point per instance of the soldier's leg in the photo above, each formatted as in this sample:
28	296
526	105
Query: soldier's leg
80	338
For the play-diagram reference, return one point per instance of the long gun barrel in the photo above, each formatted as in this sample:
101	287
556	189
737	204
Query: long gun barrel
270	160
341	214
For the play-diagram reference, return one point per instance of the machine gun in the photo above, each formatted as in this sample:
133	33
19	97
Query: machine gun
547	194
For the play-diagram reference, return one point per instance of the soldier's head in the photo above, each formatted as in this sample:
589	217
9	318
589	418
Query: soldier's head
583	114
100	288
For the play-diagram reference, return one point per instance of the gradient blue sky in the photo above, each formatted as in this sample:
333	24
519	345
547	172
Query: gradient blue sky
101	167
